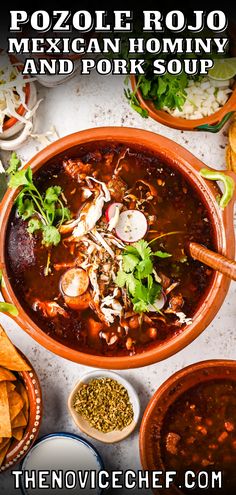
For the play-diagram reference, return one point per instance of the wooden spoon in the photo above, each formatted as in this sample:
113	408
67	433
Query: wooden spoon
214	260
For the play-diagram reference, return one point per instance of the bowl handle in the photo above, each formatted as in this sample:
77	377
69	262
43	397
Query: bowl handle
217	126
228	178
232	174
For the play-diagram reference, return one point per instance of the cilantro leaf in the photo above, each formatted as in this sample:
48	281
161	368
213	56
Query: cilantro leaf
21	178
145	267
14	164
121	278
52	194
25	208
64	213
131	283
141	292
51	236
161	254
146	87
50	209
34	224
130	261
3	185
143	249
140	306
126	279
131	249
134	103
154	293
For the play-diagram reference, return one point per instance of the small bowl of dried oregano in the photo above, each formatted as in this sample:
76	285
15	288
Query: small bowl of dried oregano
105	406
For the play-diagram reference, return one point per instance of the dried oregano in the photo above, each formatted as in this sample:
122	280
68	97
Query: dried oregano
105	404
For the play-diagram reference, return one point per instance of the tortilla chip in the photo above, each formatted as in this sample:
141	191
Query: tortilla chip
9	357
5	421
22	391
19	420
6	375
18	433
232	135
26	413
3	452
15	404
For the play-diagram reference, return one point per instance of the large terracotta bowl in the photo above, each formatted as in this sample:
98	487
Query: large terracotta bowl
161	401
20	448
222	220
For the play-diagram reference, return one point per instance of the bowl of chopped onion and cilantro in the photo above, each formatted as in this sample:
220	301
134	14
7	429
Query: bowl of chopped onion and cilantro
186	102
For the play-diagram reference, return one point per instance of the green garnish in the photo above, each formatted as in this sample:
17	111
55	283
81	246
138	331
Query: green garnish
105	404
228	182
14	164
45	212
137	275
134	103
7	307
164	91
3	184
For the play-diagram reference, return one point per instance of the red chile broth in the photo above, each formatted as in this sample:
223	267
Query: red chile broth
177	207
199	433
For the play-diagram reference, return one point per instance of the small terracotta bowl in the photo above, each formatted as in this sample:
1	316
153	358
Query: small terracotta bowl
15	132
212	123
19	449
21	109
160	403
113	436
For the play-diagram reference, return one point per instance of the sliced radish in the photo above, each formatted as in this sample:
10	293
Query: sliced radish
158	304
74	282
132	226
111	210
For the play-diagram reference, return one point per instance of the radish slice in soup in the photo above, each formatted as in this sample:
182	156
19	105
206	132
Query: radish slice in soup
113	215
111	210
132	226
158	304
74	282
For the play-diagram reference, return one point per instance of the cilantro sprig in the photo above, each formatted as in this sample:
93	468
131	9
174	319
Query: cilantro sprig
137	275
46	212
164	91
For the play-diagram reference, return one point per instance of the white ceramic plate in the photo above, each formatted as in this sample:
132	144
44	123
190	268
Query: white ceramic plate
114	436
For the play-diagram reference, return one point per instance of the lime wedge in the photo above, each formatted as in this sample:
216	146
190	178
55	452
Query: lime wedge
223	69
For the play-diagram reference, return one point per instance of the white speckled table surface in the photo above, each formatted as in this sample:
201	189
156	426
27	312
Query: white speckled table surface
94	101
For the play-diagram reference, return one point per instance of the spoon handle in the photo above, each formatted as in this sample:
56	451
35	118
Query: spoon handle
214	260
